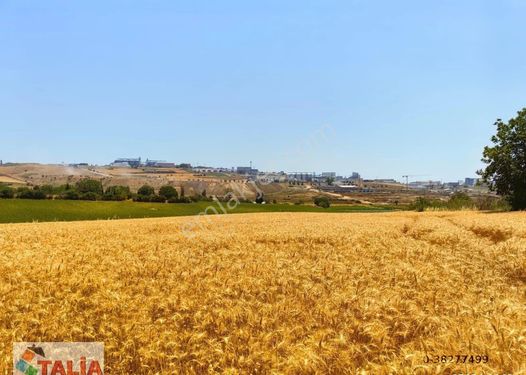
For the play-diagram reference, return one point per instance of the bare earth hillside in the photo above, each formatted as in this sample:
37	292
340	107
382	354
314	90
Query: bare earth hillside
193	183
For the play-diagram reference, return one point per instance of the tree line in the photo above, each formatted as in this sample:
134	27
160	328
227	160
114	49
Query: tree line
93	190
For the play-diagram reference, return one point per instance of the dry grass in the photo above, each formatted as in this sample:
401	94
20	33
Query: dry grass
273	293
10	180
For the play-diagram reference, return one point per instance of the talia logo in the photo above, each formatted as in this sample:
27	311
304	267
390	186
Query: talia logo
58	358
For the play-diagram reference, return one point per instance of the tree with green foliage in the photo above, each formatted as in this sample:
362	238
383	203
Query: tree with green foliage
146	190
89	185
322	201
330	181
7	192
117	193
505	172
47	189
168	192
421	203
26	193
89	196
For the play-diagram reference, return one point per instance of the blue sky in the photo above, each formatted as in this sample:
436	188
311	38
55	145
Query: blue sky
381	87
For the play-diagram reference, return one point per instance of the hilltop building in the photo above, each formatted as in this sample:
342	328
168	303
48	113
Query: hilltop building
301	176
127	162
247	171
270	177
159	164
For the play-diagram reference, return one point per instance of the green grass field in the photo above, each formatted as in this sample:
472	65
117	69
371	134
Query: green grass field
22	210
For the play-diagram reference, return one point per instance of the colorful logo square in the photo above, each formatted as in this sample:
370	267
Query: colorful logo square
28	356
22	365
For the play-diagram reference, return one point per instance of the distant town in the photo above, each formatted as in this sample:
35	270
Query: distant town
327	181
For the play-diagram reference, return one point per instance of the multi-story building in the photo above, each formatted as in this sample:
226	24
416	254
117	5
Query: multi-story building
301	176
470	181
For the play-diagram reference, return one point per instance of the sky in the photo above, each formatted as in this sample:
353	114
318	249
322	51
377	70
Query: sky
384	88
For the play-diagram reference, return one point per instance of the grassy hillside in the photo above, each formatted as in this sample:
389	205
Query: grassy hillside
20	210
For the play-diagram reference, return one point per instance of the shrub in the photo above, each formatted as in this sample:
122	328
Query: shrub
63	188
6	192
489	203
117	193
146	190
27	193
47	189
141	198
459	201
183	200
421	203
89	185
70	195
89	196
149	198
201	197
322	201
168	192
21	190
157	199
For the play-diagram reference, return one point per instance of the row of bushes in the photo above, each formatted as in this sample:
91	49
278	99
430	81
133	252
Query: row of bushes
89	189
462	201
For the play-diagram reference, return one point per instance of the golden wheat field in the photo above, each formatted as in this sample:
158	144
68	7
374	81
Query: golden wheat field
293	293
